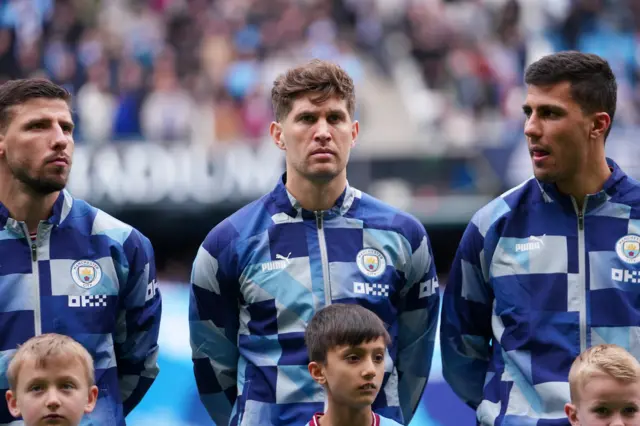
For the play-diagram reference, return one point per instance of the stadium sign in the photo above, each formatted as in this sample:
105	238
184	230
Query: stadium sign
143	174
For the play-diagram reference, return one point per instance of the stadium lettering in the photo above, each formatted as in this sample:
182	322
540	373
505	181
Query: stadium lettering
146	173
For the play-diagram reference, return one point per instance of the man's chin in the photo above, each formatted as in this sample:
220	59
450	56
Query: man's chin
42	185
544	176
321	176
47	187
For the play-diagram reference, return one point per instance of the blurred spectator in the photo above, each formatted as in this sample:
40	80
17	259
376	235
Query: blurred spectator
126	123
166	112
96	105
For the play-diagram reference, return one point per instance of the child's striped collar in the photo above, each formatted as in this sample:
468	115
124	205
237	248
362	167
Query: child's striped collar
315	421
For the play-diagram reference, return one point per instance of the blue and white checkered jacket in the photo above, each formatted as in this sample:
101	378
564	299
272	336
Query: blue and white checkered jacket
262	273
536	280
91	277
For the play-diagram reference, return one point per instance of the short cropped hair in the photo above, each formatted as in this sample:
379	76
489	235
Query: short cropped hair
593	84
17	92
611	360
322	79
342	325
42	349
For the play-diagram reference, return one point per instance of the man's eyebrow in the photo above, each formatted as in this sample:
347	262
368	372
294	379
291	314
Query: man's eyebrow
556	107
68	123
305	112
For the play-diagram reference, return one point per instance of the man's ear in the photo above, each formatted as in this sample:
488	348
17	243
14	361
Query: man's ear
600	124
3	144
275	130
12	403
316	370
355	129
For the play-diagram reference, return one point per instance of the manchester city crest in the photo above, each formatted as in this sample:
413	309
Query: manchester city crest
371	262
86	273
628	248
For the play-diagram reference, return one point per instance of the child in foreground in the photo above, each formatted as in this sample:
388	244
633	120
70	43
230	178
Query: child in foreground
604	382
51	380
346	346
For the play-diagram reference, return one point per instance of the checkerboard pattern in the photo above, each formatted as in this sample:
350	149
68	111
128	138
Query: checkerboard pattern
524	279
247	322
112	316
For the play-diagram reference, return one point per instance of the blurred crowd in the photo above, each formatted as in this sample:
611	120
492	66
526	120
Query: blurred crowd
201	70
167	70
474	52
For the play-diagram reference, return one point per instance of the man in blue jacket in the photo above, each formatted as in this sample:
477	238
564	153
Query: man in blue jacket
262	273
65	266
552	266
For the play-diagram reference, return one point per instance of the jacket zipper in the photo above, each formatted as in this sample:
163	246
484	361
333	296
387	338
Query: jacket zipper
323	256
582	273
35	273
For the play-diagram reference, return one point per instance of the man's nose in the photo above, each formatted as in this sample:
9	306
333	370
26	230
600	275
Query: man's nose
532	127
322	133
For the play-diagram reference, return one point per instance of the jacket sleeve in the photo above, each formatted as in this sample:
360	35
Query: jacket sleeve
418	319
138	323
213	326
465	330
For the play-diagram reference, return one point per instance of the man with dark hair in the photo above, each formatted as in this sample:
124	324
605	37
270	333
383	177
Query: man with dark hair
550	267
65	266
262	273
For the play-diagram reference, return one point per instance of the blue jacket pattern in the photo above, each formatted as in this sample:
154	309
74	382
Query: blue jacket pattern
537	280
91	277
262	273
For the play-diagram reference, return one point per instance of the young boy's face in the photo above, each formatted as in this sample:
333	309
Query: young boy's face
56	395
605	401
352	375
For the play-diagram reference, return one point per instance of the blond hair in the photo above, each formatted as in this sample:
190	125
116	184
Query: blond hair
42	349
323	79
612	360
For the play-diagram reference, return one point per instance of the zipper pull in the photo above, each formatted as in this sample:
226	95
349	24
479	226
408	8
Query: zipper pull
319	219
34	252
581	221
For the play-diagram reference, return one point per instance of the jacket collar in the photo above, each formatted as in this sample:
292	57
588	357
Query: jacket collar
286	203
551	194
59	213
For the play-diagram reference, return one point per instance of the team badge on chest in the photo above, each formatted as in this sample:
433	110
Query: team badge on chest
371	262
628	248
86	273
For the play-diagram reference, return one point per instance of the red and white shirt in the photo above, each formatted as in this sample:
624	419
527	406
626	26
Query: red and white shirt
315	421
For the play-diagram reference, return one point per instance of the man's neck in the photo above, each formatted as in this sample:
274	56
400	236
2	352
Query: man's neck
589	182
25	206
315	196
337	415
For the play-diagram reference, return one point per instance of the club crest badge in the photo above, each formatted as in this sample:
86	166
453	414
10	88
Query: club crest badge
86	273
371	262
628	249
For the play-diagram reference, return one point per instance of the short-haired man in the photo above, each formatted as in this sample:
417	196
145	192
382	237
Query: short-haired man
551	267
262	273
65	266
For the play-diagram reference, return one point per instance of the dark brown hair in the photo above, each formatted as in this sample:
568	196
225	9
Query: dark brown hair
593	84
323	78
342	325
17	92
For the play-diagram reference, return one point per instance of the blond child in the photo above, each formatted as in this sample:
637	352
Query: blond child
51	380
346	346
604	383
